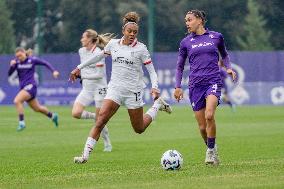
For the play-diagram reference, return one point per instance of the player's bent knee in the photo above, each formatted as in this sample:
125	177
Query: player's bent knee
16	101
76	114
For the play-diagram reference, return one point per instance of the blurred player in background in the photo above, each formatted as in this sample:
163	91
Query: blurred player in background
94	82
202	47
25	64
126	86
224	91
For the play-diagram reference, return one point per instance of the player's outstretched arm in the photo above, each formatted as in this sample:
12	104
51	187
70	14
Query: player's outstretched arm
93	60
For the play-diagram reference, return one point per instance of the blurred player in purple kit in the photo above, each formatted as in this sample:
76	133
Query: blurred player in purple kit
25	64
224	91
202	47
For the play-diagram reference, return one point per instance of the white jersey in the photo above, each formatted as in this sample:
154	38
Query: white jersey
96	71
127	64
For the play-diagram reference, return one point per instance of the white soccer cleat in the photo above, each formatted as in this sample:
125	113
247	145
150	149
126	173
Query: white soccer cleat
216	156
108	148
209	158
212	156
164	105
80	160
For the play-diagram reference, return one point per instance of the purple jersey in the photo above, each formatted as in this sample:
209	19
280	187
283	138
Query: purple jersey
203	54
223	75
26	70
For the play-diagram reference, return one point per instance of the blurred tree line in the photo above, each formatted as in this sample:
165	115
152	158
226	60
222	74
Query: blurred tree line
245	24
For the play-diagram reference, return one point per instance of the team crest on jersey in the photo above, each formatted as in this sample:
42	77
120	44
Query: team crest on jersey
192	39
134	53
211	36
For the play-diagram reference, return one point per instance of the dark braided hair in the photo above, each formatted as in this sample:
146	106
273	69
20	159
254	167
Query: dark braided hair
198	14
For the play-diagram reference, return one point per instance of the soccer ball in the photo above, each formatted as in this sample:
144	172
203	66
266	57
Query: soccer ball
171	160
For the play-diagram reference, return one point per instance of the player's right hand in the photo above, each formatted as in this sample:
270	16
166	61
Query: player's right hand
74	75
178	94
12	62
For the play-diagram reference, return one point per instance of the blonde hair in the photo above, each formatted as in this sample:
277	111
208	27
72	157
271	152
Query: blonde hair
20	49
28	52
101	40
130	17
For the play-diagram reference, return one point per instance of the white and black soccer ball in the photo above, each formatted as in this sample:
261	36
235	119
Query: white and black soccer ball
171	160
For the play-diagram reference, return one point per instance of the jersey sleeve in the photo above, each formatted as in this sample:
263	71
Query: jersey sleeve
221	47
145	56
101	63
12	69
38	61
223	52
180	64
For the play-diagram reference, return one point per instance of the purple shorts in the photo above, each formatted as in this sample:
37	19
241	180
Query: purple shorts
198	95
31	89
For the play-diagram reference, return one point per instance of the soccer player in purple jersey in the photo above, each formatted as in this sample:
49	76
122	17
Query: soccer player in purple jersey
25	64
224	90
202	48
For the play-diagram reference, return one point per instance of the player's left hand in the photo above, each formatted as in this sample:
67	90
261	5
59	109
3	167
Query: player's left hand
74	75
55	74
155	93
232	73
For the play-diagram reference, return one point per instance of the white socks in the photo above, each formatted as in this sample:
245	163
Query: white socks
88	115
153	111
89	146
22	122
105	136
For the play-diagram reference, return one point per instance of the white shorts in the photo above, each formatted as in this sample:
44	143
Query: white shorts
131	100
92	91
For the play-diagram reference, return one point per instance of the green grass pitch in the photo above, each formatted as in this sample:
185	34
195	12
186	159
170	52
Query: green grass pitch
250	143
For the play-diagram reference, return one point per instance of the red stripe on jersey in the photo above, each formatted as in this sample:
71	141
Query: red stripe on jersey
99	65
135	43
148	62
93	48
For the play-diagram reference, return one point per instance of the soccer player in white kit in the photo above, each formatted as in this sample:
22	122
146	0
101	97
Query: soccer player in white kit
126	85
94	82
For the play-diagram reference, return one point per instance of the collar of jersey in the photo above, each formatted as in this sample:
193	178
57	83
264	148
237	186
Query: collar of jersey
93	48
206	32
132	44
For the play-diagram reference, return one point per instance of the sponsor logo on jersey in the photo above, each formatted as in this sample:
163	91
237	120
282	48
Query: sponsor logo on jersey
123	60
24	66
204	44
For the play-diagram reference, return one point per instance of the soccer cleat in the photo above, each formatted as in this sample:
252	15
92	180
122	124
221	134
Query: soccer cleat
209	159
212	157
216	156
164	105
80	160
108	148
55	119
21	127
